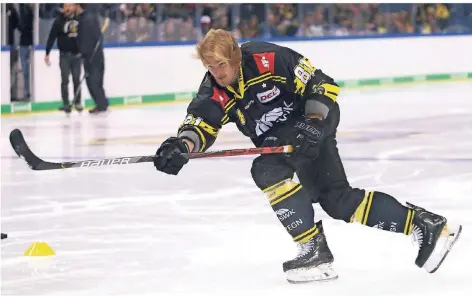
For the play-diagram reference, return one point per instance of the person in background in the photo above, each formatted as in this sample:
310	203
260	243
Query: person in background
13	24
64	29
26	42
90	42
205	26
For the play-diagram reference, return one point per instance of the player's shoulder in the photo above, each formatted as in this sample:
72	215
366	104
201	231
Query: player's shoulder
251	47
210	92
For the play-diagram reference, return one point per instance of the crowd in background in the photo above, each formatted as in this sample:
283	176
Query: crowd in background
147	22
184	22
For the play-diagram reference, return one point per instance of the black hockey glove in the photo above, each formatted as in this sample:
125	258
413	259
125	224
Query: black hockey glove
170	159
308	136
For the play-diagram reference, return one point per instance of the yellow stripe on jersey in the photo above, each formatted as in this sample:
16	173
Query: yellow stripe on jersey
307	235
275	78
409	222
258	77
242	88
362	212
281	191
229	105
330	90
191	120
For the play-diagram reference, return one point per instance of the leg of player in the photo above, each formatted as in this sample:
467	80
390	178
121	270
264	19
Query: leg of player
293	207
434	235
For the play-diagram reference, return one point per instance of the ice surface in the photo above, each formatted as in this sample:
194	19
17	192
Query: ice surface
209	231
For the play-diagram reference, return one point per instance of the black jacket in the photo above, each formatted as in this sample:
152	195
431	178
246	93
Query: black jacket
13	23
89	35
274	84
64	29
26	25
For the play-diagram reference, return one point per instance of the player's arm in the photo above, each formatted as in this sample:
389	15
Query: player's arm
318	93
318	90
53	33
205	116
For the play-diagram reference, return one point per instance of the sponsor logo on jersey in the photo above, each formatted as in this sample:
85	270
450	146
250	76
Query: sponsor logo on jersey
294	224
248	104
265	61
284	214
279	114
269	95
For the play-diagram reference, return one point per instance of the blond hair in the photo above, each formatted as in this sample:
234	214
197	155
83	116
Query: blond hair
219	45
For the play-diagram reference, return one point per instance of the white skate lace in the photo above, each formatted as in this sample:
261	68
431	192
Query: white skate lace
417	236
305	248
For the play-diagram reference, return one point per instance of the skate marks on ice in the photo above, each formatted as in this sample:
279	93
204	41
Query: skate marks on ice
138	232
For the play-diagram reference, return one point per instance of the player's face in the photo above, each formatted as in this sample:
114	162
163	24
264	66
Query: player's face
223	72
69	8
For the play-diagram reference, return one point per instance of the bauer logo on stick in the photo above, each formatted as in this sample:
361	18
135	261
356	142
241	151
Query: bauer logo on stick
105	162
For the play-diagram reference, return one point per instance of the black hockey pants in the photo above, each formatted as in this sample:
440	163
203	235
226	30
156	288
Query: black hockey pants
324	178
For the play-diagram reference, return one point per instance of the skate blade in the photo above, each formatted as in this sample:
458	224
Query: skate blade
321	273
444	245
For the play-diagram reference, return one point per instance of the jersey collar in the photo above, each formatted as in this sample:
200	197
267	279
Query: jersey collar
239	95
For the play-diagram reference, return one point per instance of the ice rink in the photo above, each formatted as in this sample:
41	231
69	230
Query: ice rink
130	230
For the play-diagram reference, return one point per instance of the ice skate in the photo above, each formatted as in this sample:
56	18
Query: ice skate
434	236
313	262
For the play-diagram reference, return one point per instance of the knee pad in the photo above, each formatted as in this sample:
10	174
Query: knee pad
267	170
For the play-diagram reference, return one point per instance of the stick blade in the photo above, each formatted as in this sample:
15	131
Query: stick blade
20	147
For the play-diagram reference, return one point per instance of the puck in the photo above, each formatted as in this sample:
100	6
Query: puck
4	235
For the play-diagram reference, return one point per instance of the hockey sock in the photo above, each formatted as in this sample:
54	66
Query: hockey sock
293	207
382	211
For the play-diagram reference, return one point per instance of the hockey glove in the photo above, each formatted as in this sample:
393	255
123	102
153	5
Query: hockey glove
170	159
308	136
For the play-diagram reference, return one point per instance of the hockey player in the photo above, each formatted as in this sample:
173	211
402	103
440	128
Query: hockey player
275	96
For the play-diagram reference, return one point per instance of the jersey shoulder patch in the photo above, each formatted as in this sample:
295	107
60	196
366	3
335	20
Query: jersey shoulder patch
265	62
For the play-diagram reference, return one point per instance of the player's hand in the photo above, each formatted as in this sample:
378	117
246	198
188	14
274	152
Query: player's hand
170	159
47	61
308	136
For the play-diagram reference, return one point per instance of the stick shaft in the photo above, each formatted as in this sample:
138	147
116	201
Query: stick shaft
150	158
22	150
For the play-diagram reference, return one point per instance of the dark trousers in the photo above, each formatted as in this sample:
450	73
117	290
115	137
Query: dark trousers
324	179
70	64
95	71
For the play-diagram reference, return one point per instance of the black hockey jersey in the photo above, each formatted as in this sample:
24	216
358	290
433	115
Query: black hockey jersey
274	83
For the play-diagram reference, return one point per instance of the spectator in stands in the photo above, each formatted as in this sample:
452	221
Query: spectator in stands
222	23
188	31
205	26
313	24
378	26
430	25
442	15
254	28
273	25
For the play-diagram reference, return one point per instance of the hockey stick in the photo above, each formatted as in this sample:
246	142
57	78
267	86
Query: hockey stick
104	27
23	151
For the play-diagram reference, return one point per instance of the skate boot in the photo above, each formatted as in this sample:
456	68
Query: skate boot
98	111
66	108
313	262
78	107
434	236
